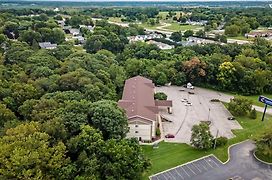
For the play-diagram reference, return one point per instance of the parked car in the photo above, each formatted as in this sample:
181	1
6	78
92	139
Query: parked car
182	89
184	100
231	118
191	92
169	136
188	104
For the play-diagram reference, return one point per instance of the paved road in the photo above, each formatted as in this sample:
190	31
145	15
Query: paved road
242	166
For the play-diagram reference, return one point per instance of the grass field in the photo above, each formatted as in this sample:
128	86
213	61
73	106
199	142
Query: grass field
169	155
148	26
163	14
115	19
178	27
243	38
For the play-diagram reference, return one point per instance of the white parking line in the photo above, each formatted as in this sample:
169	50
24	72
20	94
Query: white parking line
185	172
179	174
208	163
190	169
204	166
171	175
214	162
164	176
196	167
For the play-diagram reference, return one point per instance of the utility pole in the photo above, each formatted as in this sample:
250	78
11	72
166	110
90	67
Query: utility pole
215	139
209	114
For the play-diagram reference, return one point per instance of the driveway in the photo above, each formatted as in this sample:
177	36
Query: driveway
184	117
242	165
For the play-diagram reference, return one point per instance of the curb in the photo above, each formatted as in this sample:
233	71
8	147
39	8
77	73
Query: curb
202	158
181	165
264	162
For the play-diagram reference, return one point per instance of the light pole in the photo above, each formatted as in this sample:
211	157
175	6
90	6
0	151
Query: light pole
209	114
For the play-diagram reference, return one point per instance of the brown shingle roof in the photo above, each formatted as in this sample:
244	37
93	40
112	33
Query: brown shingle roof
167	103
138	98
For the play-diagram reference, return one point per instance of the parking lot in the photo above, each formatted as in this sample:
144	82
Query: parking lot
241	166
190	170
184	116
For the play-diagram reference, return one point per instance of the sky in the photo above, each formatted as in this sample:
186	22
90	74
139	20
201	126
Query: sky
144	0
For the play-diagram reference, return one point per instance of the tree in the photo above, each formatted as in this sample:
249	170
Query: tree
176	36
95	43
125	154
29	36
201	136
188	33
226	75
232	30
200	33
6	115
99	159
194	69
109	119
160	96
26	153
240	106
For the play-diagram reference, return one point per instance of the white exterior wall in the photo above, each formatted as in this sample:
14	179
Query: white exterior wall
141	130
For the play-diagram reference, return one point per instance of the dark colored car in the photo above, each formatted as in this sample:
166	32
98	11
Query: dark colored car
169	136
191	92
231	118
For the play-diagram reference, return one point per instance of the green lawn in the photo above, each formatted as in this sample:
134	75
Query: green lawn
255	99
243	38
178	27
148	26
169	155
163	14
115	19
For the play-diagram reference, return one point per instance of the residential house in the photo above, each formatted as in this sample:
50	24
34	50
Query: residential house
161	45
255	34
144	37
47	45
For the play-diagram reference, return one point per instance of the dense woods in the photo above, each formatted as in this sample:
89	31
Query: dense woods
58	112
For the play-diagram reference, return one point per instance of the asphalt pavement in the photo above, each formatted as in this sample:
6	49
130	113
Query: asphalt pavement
241	166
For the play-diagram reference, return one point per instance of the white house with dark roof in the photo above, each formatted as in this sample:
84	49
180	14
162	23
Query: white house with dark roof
47	45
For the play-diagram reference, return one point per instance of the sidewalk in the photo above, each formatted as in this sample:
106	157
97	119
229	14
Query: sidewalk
261	109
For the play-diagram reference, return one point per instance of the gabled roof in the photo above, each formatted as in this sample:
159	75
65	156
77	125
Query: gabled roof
138	98
46	45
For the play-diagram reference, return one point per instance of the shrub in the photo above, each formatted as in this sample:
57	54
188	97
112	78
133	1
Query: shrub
264	146
158	132
221	141
253	114
160	96
240	106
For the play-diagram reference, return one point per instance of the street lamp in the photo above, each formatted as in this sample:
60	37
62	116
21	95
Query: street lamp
209	114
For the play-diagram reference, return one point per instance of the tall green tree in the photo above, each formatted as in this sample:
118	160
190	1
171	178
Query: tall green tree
201	136
109	119
26	153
